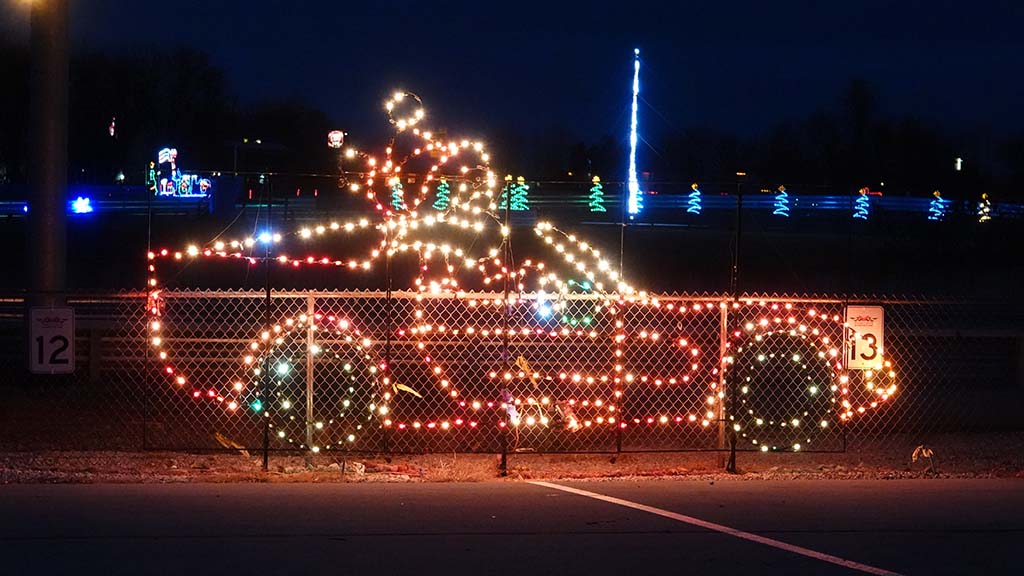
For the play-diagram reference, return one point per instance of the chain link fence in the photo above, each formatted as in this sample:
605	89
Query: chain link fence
413	373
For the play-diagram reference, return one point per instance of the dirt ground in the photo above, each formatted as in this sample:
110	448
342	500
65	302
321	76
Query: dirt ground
989	455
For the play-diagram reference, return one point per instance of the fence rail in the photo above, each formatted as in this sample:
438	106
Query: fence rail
406	372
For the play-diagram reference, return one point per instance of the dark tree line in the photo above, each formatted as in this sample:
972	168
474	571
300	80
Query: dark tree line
180	98
840	150
158	98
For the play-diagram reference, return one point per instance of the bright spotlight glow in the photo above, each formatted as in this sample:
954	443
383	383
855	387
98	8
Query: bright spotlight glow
635	203
81	205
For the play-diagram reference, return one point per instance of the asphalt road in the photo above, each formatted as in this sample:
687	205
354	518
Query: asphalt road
657	527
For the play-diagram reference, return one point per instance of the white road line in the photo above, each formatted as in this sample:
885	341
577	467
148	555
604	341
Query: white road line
725	530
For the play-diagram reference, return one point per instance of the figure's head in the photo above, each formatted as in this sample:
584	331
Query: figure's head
937	194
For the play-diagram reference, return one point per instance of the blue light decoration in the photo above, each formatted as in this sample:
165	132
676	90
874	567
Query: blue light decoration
781	202
862	206
173	182
937	208
695	205
570	312
81	205
635	203
544	308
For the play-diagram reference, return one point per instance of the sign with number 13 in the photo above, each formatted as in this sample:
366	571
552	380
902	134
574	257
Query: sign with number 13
865	337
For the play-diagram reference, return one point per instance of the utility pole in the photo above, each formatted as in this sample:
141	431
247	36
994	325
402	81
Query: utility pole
734	280
726	430
49	153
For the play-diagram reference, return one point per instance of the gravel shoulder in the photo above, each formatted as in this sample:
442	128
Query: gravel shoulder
953	456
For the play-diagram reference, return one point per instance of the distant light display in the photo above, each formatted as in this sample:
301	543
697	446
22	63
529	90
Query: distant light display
984	209
81	205
520	195
596	198
515	195
862	206
635	203
170	181
695	204
397	195
781	202
937	208
443	199
335	139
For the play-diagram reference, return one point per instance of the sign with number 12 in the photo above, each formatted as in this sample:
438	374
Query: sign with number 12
51	344
865	337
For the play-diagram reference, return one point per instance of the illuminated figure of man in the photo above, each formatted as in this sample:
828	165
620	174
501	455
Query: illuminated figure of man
169	184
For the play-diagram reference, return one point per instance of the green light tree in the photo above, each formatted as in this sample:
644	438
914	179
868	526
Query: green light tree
514	195
503	199
520	192
443	199
597	196
397	196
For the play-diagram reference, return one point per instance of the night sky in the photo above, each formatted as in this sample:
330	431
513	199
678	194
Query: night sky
734	66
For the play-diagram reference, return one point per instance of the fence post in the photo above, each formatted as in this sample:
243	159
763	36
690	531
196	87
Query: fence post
618	430
95	355
1020	361
269	319
723	340
503	464
505	352
147	382
387	332
310	335
624	397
